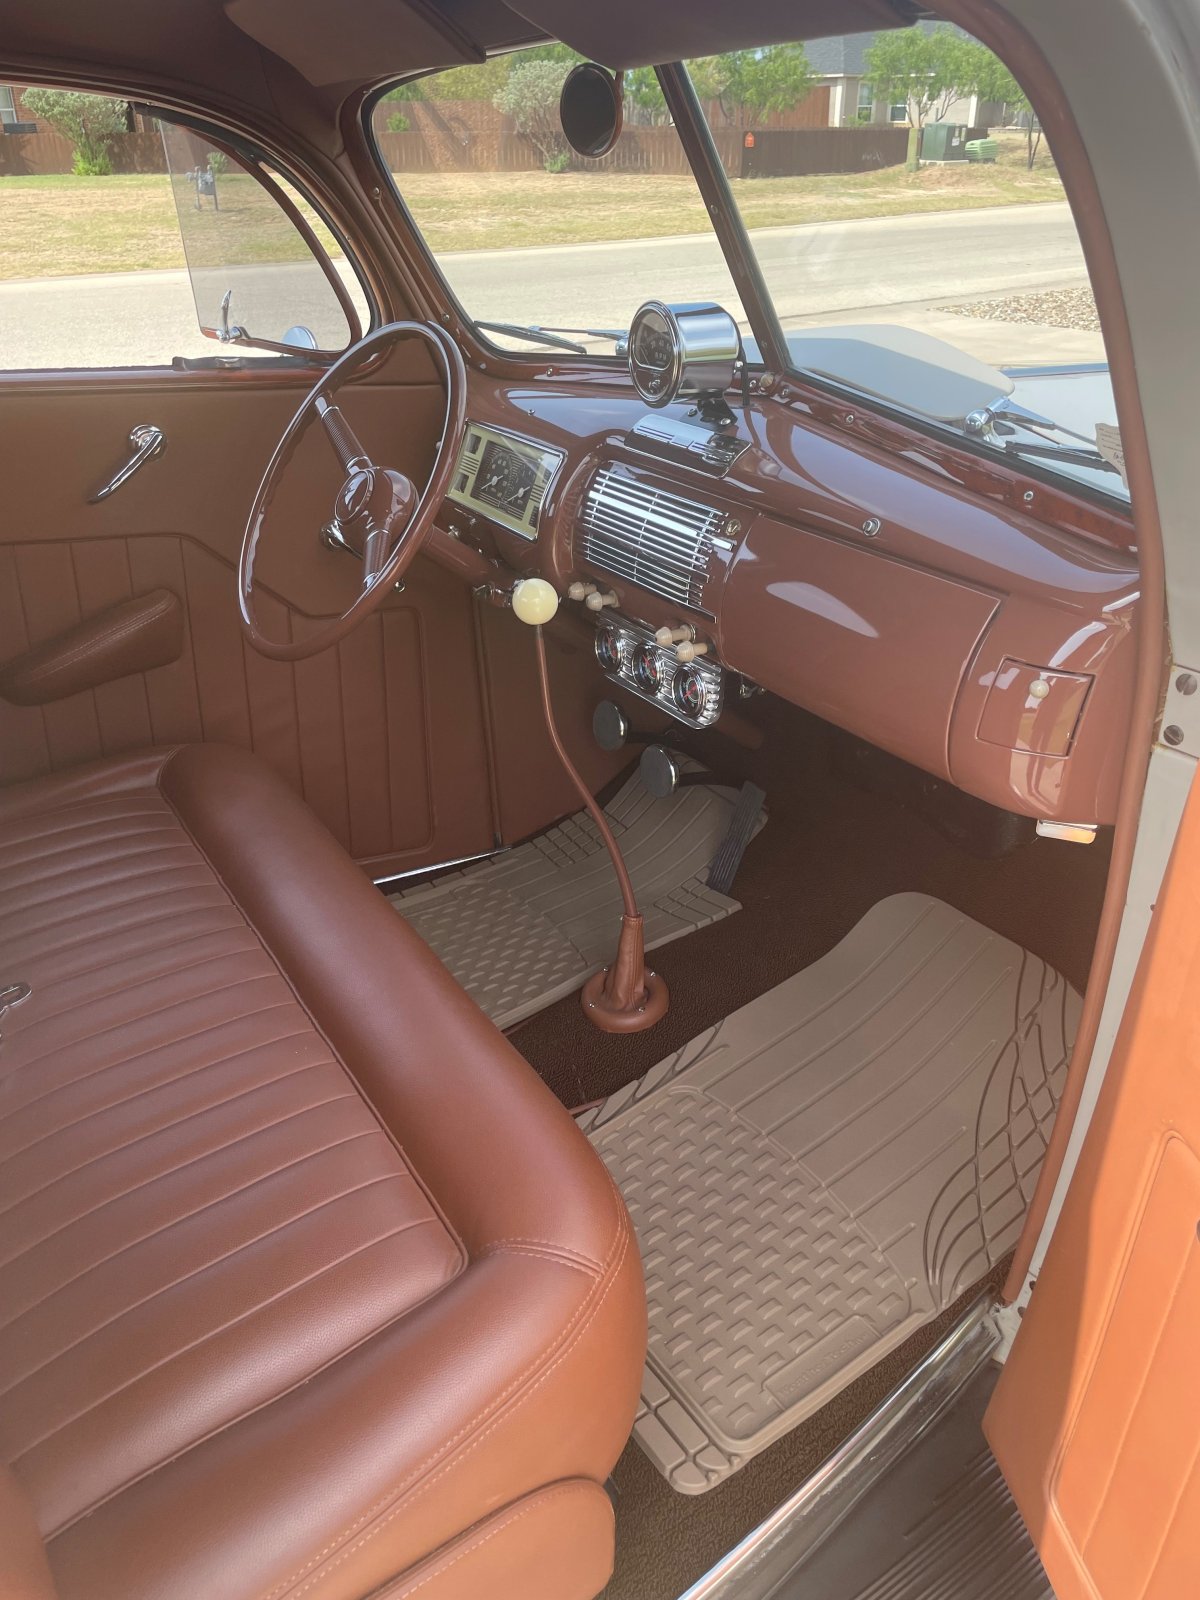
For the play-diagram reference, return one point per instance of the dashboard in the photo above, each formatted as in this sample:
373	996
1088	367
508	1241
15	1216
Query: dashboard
976	623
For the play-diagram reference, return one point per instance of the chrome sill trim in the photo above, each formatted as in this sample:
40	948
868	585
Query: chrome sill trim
438	866
753	1569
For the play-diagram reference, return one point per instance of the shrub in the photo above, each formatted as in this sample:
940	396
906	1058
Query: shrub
558	162
90	121
218	162
530	97
398	123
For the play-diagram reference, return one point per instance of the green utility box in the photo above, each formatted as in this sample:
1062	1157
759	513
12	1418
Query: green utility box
982	149
944	141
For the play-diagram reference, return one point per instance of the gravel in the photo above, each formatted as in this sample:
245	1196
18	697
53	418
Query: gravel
1054	308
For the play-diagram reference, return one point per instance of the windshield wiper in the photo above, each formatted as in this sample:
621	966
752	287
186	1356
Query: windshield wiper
514	330
553	337
997	425
1068	454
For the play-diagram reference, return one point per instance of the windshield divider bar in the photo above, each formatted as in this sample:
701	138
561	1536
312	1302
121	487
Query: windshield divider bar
696	137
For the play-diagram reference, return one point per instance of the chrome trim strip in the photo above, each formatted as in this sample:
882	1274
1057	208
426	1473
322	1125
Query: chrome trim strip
753	1569
438	866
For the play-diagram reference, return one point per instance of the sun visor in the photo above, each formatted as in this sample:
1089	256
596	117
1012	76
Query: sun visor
623	34
328	43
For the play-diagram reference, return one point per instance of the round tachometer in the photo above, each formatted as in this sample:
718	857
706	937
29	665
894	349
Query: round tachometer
682	351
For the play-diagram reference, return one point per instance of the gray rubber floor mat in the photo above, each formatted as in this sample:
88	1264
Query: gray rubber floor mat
523	930
829	1168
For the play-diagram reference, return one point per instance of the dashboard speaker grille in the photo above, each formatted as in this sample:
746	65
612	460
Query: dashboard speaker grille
649	536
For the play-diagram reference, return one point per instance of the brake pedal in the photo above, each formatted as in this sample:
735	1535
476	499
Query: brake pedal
742	827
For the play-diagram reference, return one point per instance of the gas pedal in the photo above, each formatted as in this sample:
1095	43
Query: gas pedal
743	825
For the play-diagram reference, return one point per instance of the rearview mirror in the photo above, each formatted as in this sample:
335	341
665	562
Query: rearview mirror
592	109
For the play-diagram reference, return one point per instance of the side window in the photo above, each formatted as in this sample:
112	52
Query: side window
126	241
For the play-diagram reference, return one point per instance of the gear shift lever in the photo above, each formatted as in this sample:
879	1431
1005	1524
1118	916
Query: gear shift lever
625	997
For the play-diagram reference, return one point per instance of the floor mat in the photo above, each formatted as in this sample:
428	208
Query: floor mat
523	930
827	1169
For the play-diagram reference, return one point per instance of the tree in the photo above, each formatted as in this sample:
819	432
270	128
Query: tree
752	83
991	80
90	121
644	101
926	69
530	97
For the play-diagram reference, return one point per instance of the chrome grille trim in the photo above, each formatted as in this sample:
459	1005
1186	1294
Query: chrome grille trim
658	540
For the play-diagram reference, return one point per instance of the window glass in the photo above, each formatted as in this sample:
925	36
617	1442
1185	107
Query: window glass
529	234
94	263
957	287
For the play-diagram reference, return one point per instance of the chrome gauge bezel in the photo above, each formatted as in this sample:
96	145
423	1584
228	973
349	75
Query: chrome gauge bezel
604	634
684	676
705	348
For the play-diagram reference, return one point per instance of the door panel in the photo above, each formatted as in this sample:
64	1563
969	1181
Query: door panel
384	735
1096	1419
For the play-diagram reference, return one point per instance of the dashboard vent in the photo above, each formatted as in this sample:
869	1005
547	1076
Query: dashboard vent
653	538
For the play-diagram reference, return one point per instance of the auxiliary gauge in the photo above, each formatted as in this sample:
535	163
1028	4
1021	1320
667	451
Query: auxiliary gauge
683	352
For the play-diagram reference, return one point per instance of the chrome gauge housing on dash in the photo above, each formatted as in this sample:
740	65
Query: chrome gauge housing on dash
682	352
629	653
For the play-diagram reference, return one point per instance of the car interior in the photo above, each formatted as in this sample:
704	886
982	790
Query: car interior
549	874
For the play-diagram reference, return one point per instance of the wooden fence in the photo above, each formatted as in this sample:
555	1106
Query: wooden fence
776	152
447	143
34	154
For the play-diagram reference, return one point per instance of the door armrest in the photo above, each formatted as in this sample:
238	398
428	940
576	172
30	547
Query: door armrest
133	636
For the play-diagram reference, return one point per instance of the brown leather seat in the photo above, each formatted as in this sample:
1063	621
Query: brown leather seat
308	1286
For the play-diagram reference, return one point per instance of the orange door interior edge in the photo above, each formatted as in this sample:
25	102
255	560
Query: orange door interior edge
1096	1419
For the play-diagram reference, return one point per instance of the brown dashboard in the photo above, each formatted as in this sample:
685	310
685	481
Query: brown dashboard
978	629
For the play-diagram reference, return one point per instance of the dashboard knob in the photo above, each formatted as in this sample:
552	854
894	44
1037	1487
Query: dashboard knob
597	601
687	651
670	636
534	601
580	591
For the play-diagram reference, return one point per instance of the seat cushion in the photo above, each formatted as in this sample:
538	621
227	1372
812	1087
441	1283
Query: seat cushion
302	1271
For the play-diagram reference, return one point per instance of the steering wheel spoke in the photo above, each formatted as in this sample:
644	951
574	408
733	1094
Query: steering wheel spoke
342	437
376	550
378	509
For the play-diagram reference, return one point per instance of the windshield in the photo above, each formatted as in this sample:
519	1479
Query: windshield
903	206
918	247
529	235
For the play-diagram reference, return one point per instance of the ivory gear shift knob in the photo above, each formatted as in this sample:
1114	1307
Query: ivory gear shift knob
534	601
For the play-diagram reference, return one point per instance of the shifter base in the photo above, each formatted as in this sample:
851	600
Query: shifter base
626	997
602	1014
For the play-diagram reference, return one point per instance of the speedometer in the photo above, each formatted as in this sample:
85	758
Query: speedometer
504	479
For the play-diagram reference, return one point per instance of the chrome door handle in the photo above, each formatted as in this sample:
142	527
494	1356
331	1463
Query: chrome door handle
148	441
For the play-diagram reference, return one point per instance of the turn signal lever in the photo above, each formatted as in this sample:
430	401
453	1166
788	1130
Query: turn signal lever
624	997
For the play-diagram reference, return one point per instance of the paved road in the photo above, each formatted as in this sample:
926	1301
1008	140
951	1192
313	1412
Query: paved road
828	270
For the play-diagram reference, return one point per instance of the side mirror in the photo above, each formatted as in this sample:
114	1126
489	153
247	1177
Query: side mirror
592	109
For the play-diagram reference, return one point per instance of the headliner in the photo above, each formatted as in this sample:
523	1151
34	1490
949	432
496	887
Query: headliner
250	50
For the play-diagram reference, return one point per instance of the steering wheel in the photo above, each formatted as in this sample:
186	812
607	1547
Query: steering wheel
377	509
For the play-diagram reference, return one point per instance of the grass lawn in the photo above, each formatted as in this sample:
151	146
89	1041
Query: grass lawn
55	226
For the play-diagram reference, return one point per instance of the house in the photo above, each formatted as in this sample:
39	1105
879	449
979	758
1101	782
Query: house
840	65
14	118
